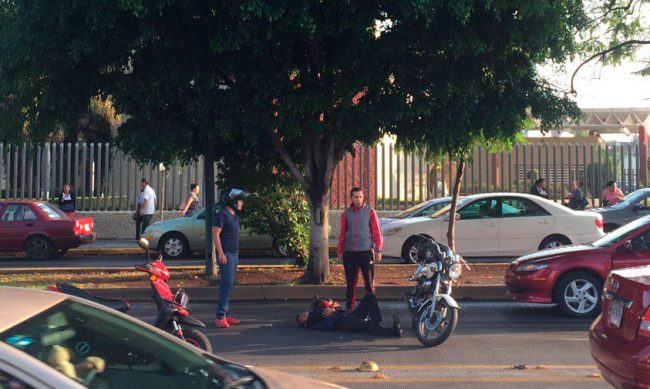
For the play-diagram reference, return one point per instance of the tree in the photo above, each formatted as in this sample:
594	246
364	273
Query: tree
308	77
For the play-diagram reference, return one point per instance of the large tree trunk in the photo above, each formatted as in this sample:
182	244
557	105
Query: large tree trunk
320	155
318	270
451	232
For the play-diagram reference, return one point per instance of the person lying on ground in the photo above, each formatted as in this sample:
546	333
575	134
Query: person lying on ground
328	315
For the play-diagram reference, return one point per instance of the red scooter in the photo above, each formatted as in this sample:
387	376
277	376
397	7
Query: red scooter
173	313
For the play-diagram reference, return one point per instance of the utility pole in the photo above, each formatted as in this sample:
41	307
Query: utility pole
208	178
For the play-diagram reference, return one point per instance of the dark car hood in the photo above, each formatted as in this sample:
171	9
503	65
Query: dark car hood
551	253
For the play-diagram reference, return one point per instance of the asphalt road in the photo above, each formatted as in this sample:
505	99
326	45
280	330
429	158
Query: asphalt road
132	260
491	338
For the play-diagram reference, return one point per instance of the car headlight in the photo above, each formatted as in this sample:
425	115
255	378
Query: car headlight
392	231
532	267
455	271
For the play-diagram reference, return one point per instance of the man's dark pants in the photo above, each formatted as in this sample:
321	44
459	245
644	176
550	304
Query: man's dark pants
356	320
146	221
353	262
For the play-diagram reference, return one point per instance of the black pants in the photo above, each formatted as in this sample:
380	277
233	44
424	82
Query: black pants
146	221
353	262
366	318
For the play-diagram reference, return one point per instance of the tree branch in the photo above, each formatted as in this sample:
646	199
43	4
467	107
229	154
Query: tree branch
602	54
284	154
611	10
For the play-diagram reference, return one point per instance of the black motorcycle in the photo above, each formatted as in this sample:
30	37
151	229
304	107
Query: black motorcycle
434	312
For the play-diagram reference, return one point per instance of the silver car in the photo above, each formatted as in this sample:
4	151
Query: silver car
634	206
57	341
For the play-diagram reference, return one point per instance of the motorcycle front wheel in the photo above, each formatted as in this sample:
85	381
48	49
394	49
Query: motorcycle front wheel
196	338
433	329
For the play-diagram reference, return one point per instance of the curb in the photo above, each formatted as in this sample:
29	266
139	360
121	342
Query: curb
302	293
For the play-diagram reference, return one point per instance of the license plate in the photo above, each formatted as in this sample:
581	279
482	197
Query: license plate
616	313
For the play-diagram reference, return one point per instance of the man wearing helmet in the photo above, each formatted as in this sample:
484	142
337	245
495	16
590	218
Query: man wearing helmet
225	234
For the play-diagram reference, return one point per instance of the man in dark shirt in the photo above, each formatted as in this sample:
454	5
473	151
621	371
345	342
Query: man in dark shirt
225	234
539	188
365	318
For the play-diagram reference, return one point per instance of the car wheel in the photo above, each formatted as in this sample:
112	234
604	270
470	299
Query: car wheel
174	246
554	241
38	247
578	294
58	253
609	227
410	249
281	250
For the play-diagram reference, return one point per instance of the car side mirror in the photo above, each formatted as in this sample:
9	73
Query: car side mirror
457	217
627	246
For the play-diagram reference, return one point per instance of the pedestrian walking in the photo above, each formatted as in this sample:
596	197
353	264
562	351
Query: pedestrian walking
611	194
149	204
360	245
577	198
225	235
191	203
67	200
137	217
539	188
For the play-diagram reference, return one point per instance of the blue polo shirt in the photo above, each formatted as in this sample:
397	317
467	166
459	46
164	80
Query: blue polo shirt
229	225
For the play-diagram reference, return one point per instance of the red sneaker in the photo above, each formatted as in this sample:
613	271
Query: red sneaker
232	321
221	323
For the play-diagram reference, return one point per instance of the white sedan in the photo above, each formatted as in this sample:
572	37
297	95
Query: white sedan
495	224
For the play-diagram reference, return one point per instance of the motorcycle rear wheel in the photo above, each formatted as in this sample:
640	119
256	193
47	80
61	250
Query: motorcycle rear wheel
197	338
430	334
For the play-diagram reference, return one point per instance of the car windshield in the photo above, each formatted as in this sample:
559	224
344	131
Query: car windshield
51	211
71	335
633	198
411	210
620	233
444	210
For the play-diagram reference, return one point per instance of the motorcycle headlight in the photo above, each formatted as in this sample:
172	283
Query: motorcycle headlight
392	231
532	267
455	271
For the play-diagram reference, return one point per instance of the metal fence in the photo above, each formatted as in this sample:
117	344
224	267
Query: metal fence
104	179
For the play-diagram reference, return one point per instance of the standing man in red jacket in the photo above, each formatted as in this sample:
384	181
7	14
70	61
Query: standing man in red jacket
360	245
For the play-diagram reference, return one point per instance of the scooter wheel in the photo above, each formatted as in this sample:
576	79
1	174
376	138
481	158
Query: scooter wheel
197	339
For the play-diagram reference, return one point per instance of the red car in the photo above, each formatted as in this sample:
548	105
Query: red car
620	337
41	229
573	276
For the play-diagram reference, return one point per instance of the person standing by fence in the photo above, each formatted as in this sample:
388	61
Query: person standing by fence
149	204
577	198
67	201
360	245
191	203
611	194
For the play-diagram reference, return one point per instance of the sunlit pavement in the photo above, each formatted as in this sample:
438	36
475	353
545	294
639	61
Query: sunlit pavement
490	340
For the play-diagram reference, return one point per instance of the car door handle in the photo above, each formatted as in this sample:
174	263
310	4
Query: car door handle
544	222
490	224
29	225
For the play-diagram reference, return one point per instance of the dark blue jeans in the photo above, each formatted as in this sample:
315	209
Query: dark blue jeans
227	273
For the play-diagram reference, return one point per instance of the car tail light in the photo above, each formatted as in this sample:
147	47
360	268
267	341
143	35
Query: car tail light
644	327
599	223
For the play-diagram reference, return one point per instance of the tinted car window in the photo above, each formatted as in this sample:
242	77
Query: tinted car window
641	242
52	212
515	207
13	213
134	356
480	209
29	214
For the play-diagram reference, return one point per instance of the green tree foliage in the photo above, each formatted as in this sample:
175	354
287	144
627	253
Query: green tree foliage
305	77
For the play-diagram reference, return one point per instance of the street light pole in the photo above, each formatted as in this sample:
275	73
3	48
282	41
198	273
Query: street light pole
208	178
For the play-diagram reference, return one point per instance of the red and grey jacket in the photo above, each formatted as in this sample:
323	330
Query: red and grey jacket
360	230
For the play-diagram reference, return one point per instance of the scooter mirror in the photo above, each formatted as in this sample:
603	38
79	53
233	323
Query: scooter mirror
144	243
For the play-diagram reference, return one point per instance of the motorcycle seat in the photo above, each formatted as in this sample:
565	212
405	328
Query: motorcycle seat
117	304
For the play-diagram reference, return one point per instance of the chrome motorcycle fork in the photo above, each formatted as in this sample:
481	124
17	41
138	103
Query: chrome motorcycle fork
434	295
